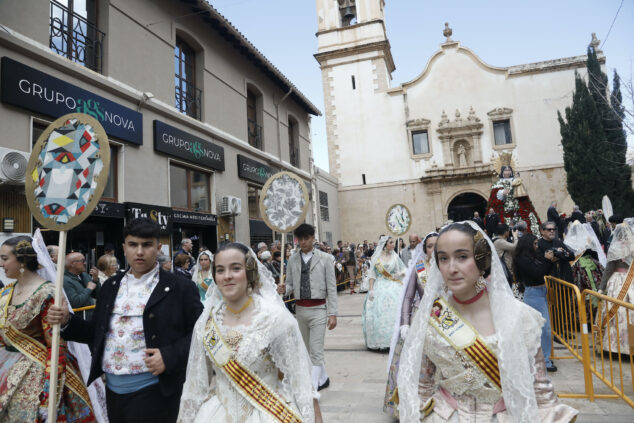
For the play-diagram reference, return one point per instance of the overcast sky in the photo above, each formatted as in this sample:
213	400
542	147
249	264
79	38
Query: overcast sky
502	33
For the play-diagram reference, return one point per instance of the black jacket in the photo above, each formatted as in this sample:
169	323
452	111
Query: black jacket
561	268
530	271
168	321
491	222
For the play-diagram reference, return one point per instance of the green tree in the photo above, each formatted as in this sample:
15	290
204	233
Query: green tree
595	144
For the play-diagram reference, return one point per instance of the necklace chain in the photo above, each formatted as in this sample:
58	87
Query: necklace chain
244	307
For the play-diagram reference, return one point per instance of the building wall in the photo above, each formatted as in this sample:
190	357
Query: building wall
139	58
328	184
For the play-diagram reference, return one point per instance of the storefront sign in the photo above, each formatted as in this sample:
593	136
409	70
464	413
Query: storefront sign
108	209
37	91
161	215
253	170
175	142
187	217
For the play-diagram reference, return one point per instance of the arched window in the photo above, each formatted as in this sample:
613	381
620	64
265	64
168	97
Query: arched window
188	97
293	141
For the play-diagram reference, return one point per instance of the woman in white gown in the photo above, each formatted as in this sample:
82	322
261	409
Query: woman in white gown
247	362
615	284
473	351
382	302
202	273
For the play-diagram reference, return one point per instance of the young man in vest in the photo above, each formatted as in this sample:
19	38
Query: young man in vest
310	276
140	331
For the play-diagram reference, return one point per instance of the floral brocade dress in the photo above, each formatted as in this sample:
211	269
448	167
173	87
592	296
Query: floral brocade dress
24	380
614	331
515	205
380	313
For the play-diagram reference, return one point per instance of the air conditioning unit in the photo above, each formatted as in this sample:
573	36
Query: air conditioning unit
12	166
230	205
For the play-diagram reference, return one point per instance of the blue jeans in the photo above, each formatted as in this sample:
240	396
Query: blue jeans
535	296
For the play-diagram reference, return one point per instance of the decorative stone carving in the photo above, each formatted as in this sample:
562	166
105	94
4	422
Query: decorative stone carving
443	120
472	116
500	113
595	42
415	123
447	32
460	140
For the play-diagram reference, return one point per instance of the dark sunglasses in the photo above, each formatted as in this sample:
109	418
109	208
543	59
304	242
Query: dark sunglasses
549	229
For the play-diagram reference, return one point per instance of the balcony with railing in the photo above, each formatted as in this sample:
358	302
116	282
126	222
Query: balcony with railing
75	37
255	134
189	100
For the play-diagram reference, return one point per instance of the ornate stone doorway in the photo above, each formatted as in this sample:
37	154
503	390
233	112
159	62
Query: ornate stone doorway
464	205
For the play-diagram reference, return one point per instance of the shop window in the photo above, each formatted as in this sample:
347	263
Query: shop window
73	32
293	141
110	192
254	202
420	142
189	189
502	132
323	206
188	97
254	122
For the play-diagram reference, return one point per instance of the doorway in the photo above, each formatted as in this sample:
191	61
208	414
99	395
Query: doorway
464	205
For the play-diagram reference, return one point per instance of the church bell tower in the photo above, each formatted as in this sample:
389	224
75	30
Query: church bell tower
356	62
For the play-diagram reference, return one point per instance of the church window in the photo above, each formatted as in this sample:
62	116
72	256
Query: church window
323	206
420	142
502	132
293	143
354	85
254	124
348	12
363	178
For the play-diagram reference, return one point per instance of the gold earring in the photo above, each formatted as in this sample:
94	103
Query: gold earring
480	284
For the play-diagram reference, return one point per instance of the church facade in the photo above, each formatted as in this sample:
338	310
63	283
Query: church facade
435	143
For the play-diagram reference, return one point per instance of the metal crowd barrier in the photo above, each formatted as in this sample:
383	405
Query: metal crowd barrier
578	320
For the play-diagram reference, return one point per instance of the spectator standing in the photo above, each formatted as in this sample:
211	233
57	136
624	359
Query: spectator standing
491	222
562	255
406	255
530	265
108	250
504	248
477	219
521	228
576	215
147	316
181	265
267	261
53	251
553	215
186	248
164	262
351	266
81	289
107	266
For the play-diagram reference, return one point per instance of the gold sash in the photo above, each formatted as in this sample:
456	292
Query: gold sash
387	275
465	339
622	293
35	350
252	388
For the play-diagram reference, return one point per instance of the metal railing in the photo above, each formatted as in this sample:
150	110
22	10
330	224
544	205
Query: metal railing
189	100
255	134
75	37
578	320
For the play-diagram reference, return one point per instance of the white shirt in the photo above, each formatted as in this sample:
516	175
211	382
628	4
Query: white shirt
125	341
307	256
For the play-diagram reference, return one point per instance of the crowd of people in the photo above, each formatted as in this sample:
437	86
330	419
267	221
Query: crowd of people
463	312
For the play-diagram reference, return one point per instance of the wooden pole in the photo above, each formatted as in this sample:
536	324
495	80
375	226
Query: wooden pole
52	394
282	261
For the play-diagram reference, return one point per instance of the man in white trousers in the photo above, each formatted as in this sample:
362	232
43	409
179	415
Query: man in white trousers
311	277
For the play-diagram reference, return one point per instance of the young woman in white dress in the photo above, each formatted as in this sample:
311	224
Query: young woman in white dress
473	352
246	333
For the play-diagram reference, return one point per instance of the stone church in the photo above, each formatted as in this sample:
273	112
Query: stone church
432	143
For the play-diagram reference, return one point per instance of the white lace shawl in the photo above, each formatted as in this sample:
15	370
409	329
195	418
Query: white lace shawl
622	246
516	358
277	333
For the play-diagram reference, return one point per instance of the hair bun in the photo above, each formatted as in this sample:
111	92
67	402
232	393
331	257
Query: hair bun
24	249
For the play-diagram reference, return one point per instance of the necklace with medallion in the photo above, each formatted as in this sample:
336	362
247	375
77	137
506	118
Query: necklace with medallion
237	313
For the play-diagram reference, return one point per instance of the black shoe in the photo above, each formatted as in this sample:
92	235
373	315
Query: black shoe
552	368
327	384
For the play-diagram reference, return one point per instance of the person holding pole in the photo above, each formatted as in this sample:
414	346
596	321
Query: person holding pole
311	277
140	332
25	344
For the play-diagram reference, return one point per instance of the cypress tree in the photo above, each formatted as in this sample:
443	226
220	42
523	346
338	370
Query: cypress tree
595	144
582	137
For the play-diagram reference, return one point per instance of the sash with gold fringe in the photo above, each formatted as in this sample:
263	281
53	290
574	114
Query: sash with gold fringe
35	350
387	275
622	293
252	388
465	339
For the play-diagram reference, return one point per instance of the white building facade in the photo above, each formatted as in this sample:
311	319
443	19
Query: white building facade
432	143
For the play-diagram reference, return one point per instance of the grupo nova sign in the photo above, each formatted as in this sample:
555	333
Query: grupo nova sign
39	92
253	170
177	143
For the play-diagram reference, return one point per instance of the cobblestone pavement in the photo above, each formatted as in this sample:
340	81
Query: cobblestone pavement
358	376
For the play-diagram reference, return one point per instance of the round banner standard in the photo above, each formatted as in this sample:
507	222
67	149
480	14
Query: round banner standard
284	202
398	219
67	171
